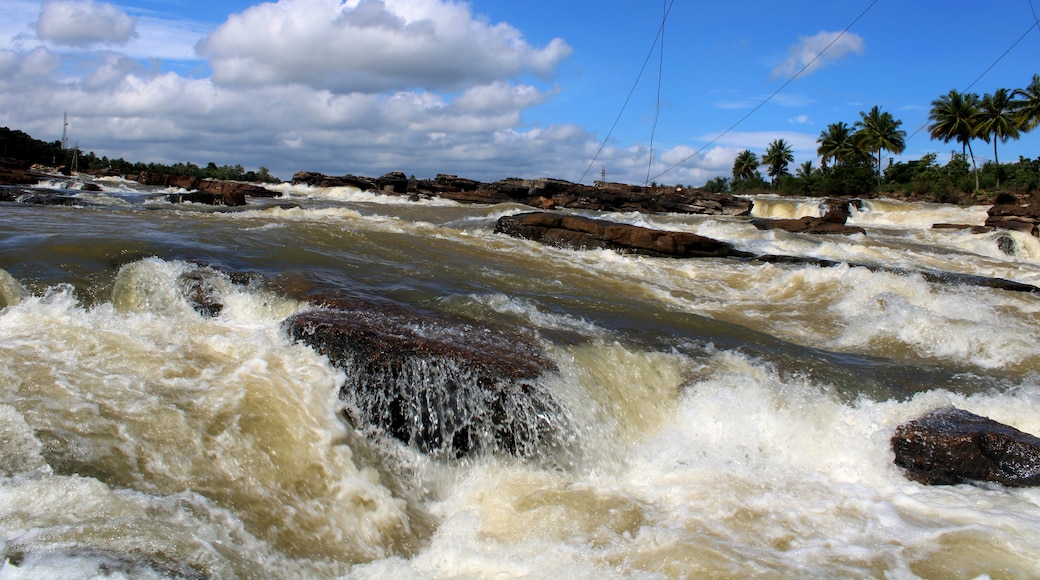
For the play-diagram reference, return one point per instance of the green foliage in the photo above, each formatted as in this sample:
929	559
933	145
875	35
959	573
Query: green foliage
745	167
754	184
19	145
777	157
717	185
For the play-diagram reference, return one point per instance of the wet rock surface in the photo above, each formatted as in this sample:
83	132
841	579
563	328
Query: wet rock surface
578	232
444	385
951	446
204	191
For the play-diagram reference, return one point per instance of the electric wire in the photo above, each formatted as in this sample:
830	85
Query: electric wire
773	95
1035	24
656	113
660	33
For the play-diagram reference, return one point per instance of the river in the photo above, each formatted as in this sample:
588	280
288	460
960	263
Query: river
731	418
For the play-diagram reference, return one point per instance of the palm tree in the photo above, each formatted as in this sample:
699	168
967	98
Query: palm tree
778	156
955	116
804	170
835	142
1027	105
745	166
996	121
879	132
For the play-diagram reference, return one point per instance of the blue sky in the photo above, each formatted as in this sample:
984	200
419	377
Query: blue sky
496	88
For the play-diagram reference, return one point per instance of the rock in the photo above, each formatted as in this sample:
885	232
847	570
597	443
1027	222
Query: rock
1022	218
808	225
91	187
543	193
578	232
16	172
951	446
319	180
971	228
207	191
446	386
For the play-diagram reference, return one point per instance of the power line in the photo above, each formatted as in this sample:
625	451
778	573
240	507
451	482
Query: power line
775	93
657	107
660	34
1034	24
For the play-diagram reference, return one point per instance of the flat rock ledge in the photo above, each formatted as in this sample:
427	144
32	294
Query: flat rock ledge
1020	218
831	223
204	191
951	446
576	232
449	387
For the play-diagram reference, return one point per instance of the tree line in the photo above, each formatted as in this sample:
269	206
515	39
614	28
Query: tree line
851	157
16	144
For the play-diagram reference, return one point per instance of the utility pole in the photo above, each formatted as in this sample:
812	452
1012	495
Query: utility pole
65	132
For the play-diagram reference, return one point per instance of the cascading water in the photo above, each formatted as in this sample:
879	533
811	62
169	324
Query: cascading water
714	417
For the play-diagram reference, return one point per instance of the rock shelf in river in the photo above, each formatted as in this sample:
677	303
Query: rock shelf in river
578	232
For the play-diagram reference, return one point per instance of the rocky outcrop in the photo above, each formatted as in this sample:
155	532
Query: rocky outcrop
807	225
578	232
319	180
1021	218
16	172
447	386
951	446
543	193
832	222
205	191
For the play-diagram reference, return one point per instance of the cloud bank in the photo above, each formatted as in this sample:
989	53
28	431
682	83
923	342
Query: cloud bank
371	46
812	53
84	24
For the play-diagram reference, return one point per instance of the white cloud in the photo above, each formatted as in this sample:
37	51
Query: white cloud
84	23
800	120
371	46
813	52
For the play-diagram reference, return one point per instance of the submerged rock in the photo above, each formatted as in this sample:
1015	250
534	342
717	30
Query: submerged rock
578	232
951	446
446	386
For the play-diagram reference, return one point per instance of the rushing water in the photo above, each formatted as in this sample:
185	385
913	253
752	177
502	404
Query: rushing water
731	418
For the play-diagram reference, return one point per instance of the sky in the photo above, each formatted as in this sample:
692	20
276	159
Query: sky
636	91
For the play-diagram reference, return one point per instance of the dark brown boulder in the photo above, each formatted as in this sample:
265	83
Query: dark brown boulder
446	386
206	191
16	172
578	232
320	180
951	446
1022	218
808	225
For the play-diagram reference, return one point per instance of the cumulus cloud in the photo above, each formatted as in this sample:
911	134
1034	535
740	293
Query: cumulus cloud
84	24
371	46
813	52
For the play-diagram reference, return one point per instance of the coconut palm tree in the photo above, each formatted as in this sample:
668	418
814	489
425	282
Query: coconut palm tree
997	122
745	166
1027	105
804	170
778	156
877	132
835	142
955	117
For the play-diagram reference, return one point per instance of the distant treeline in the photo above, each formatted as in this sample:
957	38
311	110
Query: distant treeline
19	145
924	178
